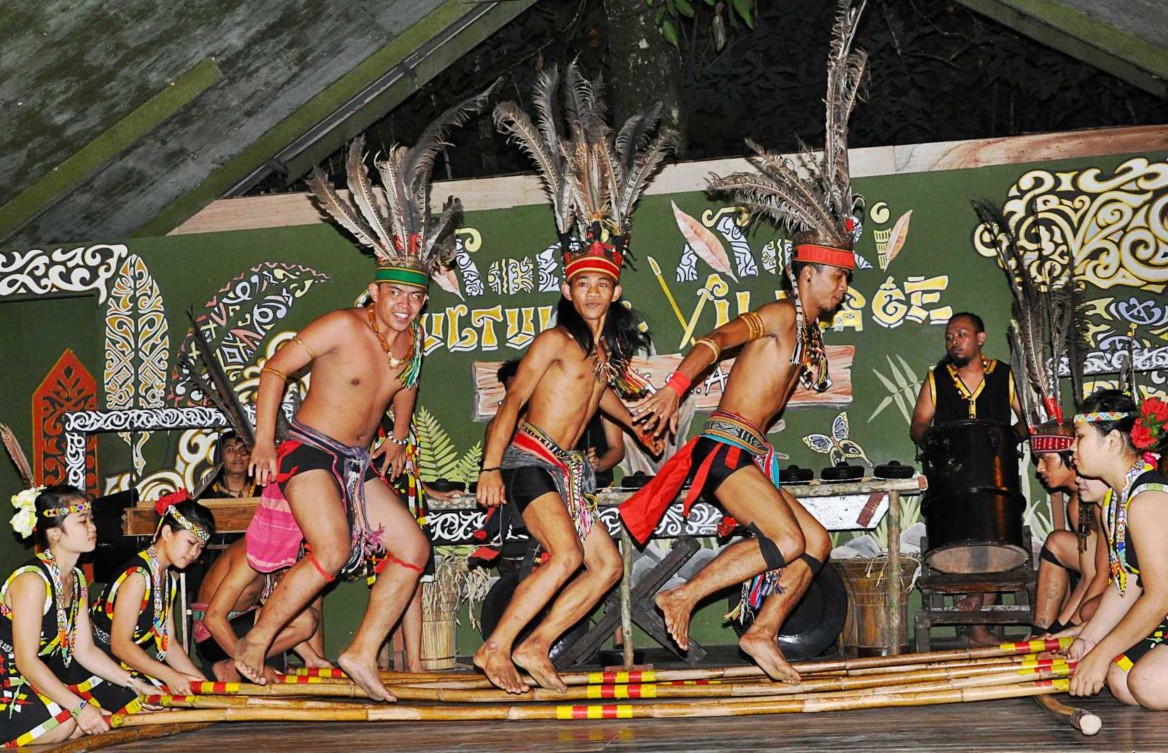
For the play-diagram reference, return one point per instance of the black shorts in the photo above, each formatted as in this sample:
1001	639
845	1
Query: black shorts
1138	651
526	484
726	460
296	457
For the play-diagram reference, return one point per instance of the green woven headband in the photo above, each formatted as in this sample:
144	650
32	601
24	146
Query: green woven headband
403	276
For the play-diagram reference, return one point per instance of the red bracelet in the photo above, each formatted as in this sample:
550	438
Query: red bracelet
679	383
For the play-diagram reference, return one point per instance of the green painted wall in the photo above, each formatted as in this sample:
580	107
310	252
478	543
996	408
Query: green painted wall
937	270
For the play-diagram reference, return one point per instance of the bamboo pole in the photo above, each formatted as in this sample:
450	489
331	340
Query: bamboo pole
661	710
89	743
1081	719
637	691
631	692
1005	652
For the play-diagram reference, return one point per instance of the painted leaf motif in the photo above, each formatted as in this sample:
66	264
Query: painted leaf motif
897	238
704	243
437	457
243	312
448	281
137	345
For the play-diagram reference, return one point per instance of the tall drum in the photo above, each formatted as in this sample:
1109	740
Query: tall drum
973	507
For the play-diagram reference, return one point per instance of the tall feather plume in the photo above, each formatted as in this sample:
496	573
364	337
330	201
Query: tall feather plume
397	196
779	201
845	72
403	236
19	459
340	210
1030	313
589	174
361	189
511	120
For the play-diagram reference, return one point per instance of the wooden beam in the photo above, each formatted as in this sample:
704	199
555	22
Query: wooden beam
287	210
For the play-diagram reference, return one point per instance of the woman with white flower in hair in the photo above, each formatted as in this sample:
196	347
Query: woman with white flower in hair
53	679
133	620
1121	645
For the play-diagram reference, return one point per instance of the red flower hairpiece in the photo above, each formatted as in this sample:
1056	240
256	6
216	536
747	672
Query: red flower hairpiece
1151	425
167	501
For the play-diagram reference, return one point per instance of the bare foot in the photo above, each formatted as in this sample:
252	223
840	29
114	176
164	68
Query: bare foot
980	635
224	671
270	674
366	675
677	612
499	668
970	603
768	657
249	659
539	666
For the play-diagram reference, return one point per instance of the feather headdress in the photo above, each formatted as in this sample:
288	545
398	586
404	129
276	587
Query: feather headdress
1042	332
409	243
810	195
592	175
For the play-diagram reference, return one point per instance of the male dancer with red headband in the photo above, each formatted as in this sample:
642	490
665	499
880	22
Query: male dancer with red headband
732	462
566	375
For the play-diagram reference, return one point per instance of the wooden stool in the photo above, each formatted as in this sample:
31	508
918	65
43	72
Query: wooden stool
935	586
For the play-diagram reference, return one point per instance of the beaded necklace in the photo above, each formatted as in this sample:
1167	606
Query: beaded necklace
161	636
393	361
66	618
1116	512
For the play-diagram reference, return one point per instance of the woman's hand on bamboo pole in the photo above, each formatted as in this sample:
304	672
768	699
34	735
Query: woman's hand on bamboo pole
1090	674
180	684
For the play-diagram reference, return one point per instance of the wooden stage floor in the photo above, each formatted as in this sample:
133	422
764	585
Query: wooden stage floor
1008	725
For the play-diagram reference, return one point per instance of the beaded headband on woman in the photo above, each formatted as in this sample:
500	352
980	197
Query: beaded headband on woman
24	522
166	505
1099	417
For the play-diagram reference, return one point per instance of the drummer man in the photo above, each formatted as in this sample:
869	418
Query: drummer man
966	385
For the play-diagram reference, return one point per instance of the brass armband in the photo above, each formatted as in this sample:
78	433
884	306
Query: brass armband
277	372
713	346
296	339
754	326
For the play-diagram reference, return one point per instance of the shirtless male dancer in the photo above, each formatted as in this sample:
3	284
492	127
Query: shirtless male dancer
230	594
363	360
324	470
781	346
724	464
563	379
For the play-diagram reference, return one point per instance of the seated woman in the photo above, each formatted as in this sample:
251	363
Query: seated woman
1119	645
135	612
233	479
52	677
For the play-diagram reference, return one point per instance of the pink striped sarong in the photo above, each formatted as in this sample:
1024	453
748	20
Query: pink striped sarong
273	537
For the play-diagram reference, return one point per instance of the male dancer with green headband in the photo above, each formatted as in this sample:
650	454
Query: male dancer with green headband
363	360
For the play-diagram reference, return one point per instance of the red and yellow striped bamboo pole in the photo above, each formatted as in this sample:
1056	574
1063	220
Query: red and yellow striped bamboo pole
659	710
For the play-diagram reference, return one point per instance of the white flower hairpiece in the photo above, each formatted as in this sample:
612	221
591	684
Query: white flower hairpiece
24	521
